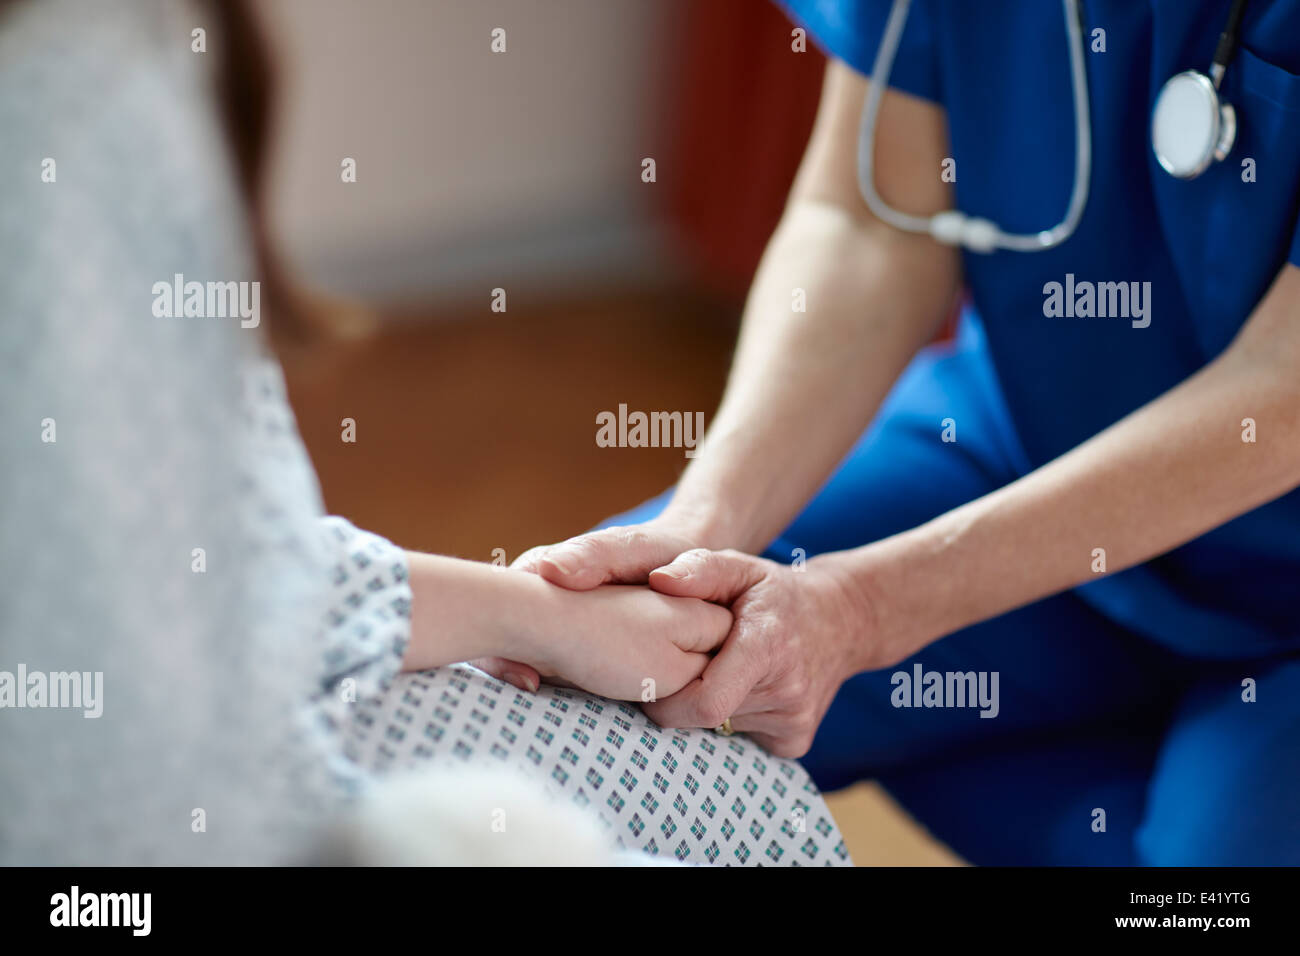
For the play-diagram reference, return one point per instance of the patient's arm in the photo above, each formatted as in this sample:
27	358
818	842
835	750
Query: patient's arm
608	641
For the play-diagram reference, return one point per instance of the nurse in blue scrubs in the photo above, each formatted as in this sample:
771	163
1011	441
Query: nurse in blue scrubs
1050	597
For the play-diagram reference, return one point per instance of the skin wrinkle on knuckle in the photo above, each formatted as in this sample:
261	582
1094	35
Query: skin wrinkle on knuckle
696	558
754	634
745	641
633	538
710	712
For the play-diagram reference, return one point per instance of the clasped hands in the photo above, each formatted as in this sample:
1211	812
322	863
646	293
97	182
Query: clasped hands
700	636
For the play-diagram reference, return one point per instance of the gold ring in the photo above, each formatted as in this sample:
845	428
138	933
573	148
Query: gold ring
725	728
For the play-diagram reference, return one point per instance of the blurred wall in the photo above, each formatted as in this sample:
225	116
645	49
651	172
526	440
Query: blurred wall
474	169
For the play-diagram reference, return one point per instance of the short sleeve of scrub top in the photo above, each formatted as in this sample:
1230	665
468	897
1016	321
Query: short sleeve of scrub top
1182	264
851	31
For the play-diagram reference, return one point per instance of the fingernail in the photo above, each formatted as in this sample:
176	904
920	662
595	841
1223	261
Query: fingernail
675	571
522	681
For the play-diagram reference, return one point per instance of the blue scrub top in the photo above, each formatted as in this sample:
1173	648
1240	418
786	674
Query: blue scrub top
1209	247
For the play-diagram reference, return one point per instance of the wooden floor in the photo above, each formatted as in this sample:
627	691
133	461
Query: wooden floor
476	431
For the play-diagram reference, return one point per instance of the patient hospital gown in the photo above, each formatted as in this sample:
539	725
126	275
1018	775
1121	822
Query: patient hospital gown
688	795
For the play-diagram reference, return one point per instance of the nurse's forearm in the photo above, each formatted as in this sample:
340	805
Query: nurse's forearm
1167	473
839	305
805	383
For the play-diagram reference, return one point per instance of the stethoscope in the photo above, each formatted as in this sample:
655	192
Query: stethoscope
1191	128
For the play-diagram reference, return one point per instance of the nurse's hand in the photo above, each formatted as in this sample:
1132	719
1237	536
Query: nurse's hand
797	635
621	555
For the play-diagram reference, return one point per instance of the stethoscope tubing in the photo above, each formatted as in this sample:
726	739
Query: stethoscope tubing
954	227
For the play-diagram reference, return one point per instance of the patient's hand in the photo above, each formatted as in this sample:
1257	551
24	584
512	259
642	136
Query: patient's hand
613	639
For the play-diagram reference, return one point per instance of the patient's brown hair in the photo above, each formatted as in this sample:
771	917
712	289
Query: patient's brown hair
246	94
246	87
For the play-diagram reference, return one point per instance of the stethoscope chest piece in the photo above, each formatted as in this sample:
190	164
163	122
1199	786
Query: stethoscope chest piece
1191	126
